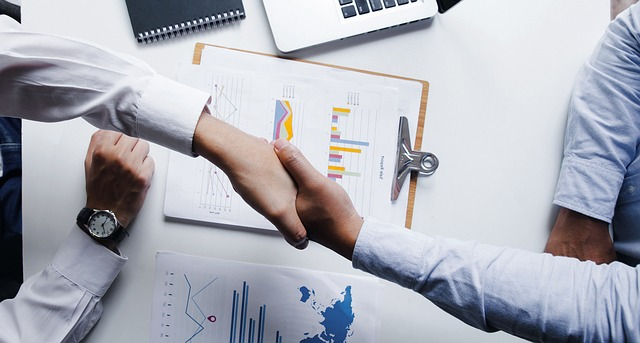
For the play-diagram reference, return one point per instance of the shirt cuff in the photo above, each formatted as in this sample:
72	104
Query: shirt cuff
390	252
168	113
588	188
87	263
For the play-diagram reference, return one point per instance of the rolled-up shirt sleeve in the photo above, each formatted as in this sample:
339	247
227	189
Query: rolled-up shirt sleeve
603	126
50	78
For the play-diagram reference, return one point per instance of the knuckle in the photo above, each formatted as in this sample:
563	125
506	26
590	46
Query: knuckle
100	154
143	143
141	181
97	135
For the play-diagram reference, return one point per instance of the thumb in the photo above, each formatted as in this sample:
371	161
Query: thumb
292	230
294	162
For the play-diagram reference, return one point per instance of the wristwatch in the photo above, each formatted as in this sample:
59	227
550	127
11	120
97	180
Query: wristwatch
101	225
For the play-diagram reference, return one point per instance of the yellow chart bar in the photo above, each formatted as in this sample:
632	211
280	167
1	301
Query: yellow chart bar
336	168
341	111
339	148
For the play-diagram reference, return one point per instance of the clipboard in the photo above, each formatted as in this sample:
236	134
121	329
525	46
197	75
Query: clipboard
417	145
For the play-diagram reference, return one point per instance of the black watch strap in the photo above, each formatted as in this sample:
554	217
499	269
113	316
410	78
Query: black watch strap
83	217
120	234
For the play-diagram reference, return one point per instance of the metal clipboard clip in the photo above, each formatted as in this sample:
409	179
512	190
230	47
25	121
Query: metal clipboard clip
408	160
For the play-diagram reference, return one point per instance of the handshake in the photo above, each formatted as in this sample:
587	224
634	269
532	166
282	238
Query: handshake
275	179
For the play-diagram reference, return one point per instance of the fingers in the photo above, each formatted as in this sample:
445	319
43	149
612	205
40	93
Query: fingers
128	149
99	139
296	164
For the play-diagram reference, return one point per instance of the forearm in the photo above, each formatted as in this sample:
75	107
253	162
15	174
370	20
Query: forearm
580	236
534	296
62	303
218	141
50	78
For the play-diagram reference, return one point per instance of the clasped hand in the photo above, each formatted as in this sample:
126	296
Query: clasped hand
279	182
118	173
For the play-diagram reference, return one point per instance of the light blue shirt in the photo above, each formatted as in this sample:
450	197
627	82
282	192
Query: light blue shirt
600	174
535	296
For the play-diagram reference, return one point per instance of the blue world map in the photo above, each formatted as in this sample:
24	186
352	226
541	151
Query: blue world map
337	317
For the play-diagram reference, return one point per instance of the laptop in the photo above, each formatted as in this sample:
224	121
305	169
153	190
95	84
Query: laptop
298	24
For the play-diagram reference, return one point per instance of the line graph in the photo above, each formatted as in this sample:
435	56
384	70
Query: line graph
216	191
216	194
191	299
226	98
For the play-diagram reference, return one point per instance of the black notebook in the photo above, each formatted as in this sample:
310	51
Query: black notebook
155	20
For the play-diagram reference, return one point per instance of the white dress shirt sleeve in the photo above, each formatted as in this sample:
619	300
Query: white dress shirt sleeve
534	296
62	303
51	78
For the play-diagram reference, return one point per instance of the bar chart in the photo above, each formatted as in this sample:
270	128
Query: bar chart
243	330
351	153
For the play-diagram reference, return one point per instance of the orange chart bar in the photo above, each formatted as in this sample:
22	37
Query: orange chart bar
339	148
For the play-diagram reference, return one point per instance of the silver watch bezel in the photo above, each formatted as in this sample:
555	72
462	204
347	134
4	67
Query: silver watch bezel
114	219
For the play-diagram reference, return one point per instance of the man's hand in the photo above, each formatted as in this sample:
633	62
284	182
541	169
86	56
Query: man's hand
255	172
323	206
118	173
577	235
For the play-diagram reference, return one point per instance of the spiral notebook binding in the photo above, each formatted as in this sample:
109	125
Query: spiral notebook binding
196	25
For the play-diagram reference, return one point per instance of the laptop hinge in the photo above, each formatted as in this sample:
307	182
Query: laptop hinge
445	5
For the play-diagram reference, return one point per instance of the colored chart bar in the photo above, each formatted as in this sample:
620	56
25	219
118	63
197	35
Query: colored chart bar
243	313
336	158
344	173
346	141
334	177
234	314
339	148
339	145
263	313
337	111
244	328
252	329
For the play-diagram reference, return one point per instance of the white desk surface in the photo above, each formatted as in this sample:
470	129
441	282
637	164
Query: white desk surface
501	72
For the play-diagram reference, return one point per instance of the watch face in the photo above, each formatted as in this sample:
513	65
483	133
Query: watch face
102	224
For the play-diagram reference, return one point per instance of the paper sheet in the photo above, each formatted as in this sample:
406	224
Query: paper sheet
199	299
344	122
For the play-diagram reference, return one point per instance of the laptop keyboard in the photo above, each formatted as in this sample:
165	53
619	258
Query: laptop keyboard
351	8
